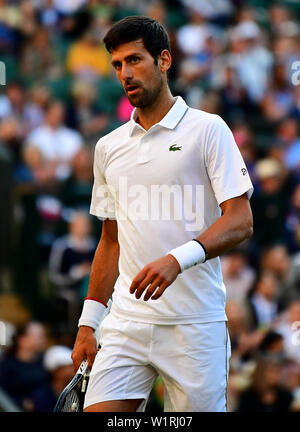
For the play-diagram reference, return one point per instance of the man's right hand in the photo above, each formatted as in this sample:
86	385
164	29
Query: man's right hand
85	347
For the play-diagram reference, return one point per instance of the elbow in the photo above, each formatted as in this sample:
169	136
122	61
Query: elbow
249	232
246	220
248	228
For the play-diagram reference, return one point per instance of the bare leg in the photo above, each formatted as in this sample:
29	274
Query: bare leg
128	405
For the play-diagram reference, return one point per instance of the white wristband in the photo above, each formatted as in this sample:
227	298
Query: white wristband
92	314
189	254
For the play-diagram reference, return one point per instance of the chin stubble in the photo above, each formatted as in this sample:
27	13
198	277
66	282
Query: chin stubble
147	98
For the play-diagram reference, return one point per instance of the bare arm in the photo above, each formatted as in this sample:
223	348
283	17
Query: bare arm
234	226
104	270
104	273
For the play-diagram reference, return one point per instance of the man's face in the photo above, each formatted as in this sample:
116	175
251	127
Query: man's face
55	115
136	70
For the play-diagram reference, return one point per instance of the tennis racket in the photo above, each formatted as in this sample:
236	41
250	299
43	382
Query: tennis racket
72	397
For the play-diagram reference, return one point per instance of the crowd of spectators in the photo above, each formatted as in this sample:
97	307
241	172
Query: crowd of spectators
236	58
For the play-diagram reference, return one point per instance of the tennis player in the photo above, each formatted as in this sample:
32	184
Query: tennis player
173	192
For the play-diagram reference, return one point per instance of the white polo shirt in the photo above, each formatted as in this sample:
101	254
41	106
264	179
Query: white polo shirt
164	187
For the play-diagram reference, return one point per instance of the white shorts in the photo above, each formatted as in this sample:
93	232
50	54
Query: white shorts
191	359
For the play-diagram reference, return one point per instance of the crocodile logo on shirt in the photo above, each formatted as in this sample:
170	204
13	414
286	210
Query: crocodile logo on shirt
173	147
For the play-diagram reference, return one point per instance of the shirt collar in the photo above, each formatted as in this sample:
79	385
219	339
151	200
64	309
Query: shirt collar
169	121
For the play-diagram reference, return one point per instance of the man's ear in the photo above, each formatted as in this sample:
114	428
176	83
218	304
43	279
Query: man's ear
165	60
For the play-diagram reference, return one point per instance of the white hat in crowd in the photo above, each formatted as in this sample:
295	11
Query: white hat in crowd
266	168
57	356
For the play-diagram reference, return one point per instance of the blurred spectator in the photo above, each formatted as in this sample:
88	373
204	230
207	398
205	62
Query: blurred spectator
244	341
214	10
285	47
279	18
210	102
265	345
244	139
56	143
272	345
84	114
38	100
295	112
294	279
10	21
68	6
36	171
6	337
22	374
252	60
29	23
13	104
48	14
192	37
9	14
277	102
238	276
48	154
288	326
88	59
75	191
71	256
199	43
70	263
11	139
234	97
276	260
288	134
263	300
39	58
293	221
291	380
157	10
269	203
6	195
58	363
266	394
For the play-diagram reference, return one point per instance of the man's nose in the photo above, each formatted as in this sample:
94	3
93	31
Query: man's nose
126	72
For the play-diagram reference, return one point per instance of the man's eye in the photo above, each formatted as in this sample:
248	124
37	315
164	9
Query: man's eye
117	66
135	60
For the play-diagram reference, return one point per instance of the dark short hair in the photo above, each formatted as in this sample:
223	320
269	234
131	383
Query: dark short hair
129	29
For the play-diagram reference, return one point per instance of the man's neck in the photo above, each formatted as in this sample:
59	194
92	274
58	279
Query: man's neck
154	113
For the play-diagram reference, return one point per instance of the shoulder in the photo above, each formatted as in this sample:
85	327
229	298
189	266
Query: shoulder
208	127
209	119
113	138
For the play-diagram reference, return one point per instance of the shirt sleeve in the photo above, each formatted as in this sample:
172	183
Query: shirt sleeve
225	166
103	197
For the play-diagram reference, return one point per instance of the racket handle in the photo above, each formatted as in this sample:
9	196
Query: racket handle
83	367
84	383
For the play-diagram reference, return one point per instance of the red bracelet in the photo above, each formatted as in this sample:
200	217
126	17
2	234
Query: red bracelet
97	300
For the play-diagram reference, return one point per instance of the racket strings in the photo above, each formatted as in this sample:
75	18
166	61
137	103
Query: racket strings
73	401
71	398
